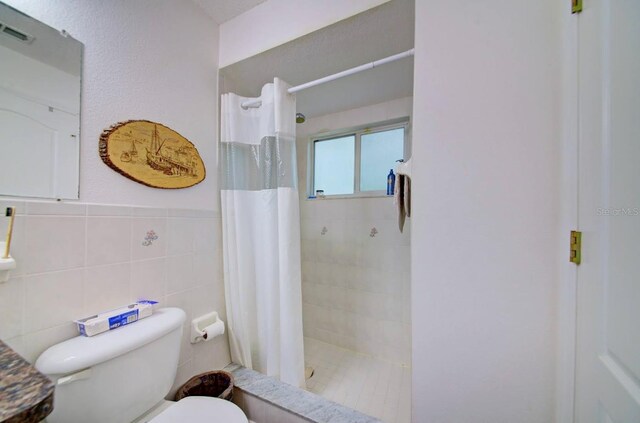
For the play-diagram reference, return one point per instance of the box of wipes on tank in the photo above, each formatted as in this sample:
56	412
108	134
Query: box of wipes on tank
113	319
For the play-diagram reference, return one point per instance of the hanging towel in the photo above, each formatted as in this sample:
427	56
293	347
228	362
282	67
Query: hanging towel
407	195
402	198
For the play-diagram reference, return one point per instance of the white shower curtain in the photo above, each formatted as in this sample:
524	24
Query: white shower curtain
261	233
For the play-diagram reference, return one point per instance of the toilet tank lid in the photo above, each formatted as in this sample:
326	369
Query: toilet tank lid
82	352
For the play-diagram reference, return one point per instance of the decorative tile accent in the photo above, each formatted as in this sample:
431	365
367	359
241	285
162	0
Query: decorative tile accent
373	232
148	240
139	228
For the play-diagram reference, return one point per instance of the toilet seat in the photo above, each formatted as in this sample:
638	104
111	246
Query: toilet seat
201	409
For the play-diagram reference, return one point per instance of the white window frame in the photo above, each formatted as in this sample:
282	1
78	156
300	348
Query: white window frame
356	132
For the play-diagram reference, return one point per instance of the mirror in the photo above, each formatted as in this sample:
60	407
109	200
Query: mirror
40	74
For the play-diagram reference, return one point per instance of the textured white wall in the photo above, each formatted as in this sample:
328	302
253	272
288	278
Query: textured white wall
143	59
276	22
486	199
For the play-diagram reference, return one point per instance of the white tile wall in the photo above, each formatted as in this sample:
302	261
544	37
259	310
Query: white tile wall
77	259
108	240
355	287
52	298
54	243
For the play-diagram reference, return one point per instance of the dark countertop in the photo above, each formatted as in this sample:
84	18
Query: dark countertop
26	395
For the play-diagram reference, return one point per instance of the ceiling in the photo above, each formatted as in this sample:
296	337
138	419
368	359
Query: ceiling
374	34
223	10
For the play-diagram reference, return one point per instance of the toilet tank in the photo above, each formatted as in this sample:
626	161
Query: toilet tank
115	376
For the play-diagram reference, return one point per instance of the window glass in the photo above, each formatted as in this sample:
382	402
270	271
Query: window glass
334	165
378	153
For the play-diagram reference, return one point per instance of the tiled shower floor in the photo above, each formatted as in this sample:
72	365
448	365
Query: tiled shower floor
372	386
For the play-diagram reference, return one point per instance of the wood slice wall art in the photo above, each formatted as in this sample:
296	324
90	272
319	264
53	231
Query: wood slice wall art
151	154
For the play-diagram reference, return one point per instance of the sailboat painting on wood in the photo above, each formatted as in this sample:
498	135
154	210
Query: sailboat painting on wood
151	154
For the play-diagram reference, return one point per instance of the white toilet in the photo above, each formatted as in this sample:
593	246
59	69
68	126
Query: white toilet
123	375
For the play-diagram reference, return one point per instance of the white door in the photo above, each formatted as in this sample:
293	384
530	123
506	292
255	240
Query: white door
608	315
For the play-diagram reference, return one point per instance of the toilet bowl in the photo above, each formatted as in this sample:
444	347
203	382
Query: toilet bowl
122	375
201	409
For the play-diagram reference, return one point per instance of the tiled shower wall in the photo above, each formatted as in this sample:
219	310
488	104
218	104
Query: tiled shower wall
356	275
356	263
79	259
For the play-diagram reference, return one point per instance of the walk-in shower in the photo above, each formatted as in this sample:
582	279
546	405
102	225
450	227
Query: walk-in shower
353	344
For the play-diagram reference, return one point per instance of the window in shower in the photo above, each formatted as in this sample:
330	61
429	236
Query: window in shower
334	165
356	163
378	153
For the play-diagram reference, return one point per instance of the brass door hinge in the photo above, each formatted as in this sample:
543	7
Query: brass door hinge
575	247
576	6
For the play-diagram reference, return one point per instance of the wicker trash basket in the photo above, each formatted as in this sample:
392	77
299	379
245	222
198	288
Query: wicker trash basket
208	384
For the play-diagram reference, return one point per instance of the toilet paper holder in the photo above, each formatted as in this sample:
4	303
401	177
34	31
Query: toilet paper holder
206	327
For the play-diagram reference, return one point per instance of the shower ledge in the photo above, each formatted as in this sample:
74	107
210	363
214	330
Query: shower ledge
294	400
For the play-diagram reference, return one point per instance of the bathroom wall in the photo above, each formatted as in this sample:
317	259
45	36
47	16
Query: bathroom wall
143	59
355	286
486	184
147	59
75	260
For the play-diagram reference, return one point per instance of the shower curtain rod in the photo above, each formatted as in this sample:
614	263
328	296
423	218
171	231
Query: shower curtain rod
357	69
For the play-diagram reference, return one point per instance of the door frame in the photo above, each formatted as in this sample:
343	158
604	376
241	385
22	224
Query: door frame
567	271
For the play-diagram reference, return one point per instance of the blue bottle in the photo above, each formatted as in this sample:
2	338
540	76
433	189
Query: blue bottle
391	182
